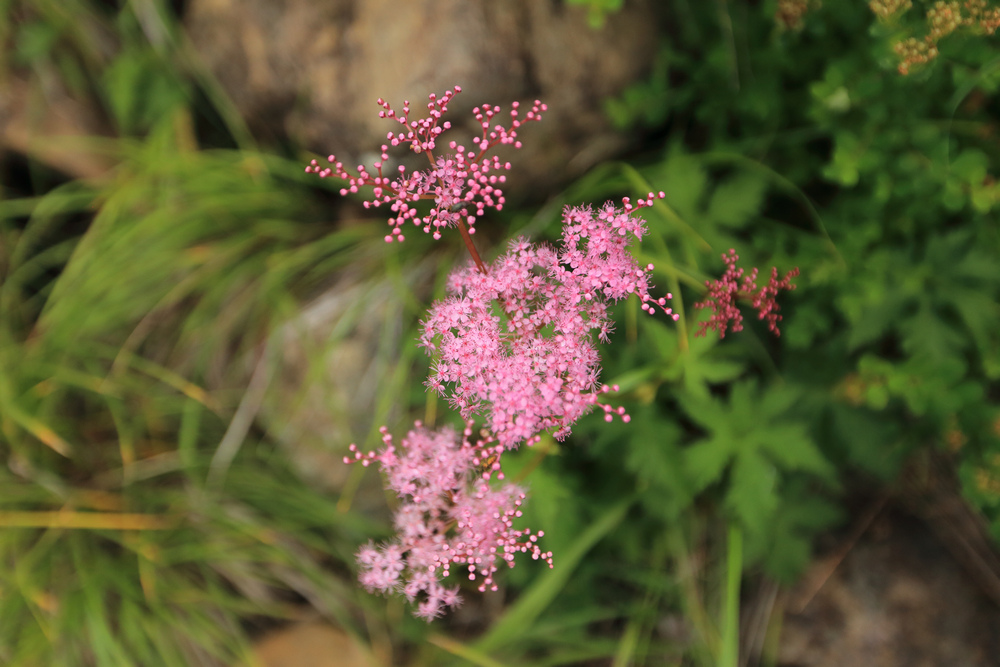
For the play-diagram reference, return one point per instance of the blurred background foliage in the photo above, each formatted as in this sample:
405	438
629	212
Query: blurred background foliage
149	515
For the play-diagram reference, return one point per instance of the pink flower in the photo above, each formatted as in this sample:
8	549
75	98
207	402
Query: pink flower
448	515
462	183
515	344
722	295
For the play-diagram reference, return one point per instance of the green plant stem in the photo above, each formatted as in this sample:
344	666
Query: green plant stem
729	656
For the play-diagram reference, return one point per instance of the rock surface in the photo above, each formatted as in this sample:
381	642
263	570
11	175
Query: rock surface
313	70
312	644
898	598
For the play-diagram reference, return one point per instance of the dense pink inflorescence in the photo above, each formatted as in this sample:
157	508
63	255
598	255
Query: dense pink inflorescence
462	183
448	515
515	343
723	293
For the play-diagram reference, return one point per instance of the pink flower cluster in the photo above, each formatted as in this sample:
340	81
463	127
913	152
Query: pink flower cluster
723	293
462	183
448	515
514	343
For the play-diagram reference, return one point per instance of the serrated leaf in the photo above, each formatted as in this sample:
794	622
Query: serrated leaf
926	334
706	460
662	336
743	406
792	448
704	363
751	495
632	379
549	501
777	399
707	412
653	454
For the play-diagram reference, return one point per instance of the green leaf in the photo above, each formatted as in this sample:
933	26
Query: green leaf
792	449
683	180
846	155
738	199
787	548
927	334
869	438
706	460
752	490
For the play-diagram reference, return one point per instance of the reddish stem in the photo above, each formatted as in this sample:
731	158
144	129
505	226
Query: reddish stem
467	238
463	230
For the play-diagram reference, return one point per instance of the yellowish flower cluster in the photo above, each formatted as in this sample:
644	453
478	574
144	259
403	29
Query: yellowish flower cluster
789	13
943	18
885	9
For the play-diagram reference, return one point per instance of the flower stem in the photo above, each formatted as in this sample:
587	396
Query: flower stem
462	228
467	237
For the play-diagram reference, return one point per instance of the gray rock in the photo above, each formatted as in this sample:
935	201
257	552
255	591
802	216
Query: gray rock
315	69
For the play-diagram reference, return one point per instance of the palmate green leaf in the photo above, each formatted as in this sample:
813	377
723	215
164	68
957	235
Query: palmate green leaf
789	445
708	412
925	301
931	385
934	385
704	363
976	266
752	491
707	459
705	207
653	454
776	400
750	436
662	335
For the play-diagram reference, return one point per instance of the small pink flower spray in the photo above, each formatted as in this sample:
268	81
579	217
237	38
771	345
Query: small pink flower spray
449	516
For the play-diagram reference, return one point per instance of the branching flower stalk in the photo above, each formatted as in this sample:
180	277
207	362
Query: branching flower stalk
462	184
513	344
